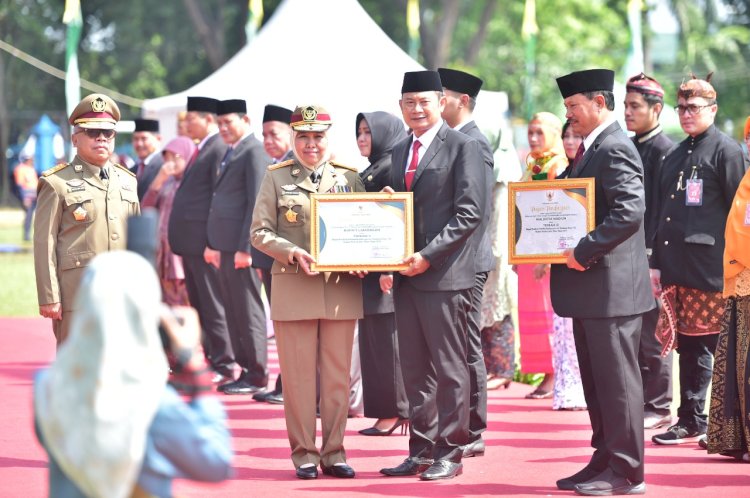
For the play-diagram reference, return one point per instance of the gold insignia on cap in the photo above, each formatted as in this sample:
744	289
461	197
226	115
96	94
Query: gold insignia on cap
98	105
309	113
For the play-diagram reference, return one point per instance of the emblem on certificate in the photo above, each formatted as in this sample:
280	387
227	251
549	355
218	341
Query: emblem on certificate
79	214
548	217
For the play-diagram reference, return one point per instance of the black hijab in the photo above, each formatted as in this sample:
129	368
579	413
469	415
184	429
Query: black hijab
386	130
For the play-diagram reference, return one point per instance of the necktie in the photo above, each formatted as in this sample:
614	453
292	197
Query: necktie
223	164
193	156
103	174
577	159
315	177
139	172
409	175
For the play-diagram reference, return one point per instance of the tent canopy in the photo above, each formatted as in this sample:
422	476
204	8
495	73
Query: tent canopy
328	53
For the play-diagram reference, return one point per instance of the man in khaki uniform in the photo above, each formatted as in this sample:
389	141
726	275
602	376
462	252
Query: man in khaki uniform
82	210
314	313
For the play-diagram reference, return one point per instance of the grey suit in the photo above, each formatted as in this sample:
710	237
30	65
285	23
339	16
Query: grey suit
188	238
485	262
150	170
228	231
432	308
607	300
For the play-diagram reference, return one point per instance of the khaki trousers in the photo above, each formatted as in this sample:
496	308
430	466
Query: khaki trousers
305	346
61	328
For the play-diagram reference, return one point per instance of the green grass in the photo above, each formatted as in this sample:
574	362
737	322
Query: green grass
17	283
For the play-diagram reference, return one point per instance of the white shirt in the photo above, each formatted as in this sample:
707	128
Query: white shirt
425	140
589	140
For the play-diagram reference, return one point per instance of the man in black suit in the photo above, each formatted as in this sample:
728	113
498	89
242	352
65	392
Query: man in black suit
605	288
461	90
188	237
238	179
433	295
147	146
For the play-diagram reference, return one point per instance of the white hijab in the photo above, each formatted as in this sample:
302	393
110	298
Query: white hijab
96	402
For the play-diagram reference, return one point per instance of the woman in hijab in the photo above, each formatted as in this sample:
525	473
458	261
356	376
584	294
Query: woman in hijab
104	413
382	383
160	195
729	416
545	161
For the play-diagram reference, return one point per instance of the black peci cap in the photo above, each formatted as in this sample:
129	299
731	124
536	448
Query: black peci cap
202	104
151	125
421	81
459	81
230	106
589	80
277	113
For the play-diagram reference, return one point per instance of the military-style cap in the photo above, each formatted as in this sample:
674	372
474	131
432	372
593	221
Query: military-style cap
230	106
276	113
202	104
95	111
696	87
151	125
645	85
459	81
421	81
590	80
310	118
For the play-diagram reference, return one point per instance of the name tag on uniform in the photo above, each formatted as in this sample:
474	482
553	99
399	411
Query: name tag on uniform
694	192
76	189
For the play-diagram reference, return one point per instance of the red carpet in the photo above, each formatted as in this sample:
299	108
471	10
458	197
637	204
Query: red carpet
529	446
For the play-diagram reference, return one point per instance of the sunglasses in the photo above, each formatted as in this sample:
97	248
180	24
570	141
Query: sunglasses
94	134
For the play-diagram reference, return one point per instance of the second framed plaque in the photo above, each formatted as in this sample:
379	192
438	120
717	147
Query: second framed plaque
372	231
548	217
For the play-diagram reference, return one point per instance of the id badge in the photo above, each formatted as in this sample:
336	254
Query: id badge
694	192
747	214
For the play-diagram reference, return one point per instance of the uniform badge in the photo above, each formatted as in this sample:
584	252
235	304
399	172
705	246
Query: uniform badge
79	214
291	216
76	182
295	172
77	168
309	113
98	105
369	178
289	188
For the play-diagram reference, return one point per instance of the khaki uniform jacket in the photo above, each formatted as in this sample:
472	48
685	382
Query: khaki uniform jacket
78	217
281	222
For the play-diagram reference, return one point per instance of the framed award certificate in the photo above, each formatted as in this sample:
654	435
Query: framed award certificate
548	217
361	231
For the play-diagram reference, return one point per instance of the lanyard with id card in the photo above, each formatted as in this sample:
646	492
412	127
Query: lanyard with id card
693	188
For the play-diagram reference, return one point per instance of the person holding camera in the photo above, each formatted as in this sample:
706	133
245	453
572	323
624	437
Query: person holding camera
103	411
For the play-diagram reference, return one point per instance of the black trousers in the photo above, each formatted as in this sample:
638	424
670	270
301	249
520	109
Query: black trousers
608	359
656	371
696	366
204	292
382	383
246	319
475	360
432	342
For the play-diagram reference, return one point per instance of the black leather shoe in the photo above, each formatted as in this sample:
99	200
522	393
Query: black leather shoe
409	467
275	398
344	471
240	386
261	395
609	483
309	472
583	475
442	469
474	449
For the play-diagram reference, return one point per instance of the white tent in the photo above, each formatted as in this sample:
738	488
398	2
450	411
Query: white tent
329	53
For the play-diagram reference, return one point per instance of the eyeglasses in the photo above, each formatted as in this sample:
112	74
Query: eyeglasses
94	134
691	109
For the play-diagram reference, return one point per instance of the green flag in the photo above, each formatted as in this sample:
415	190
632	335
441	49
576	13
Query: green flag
529	30
73	18
412	25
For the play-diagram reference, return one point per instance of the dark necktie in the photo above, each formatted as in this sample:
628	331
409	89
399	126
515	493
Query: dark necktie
409	175
315	177
141	167
223	164
577	159
103	174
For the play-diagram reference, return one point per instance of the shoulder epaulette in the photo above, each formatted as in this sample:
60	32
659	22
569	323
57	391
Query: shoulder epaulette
281	165
339	165
55	169
125	170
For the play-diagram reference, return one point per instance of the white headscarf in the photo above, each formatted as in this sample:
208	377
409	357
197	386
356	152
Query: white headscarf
96	402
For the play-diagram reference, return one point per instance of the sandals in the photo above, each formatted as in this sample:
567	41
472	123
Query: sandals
539	393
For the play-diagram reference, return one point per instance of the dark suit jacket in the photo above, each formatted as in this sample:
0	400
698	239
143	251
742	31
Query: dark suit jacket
449	198
231	210
187	222
616	281
485	260
150	170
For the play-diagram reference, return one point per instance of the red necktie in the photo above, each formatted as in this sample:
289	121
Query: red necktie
141	166
409	175
577	159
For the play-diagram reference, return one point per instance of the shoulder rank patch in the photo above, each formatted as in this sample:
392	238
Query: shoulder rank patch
283	164
344	166
55	169
126	170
